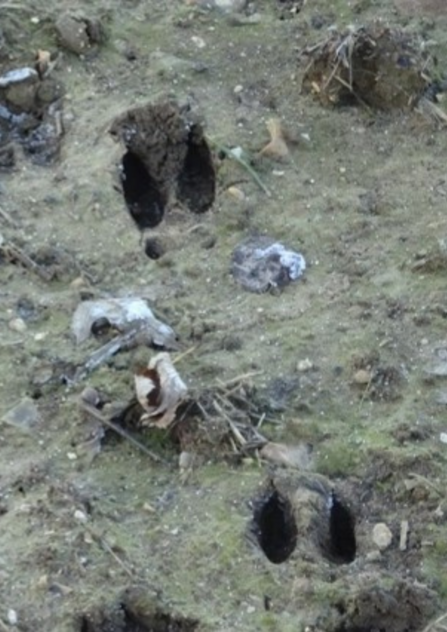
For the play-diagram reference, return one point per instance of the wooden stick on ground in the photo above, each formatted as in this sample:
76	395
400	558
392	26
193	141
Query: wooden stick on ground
123	433
15	252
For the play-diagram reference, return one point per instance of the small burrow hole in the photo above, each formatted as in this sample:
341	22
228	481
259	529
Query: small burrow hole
341	546
275	527
144	199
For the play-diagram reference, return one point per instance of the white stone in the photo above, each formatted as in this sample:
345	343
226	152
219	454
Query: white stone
18	325
13	619
382	536
80	516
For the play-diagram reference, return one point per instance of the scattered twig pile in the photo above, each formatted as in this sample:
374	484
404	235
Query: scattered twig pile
375	66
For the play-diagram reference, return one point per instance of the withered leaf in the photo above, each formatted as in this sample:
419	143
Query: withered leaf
159	389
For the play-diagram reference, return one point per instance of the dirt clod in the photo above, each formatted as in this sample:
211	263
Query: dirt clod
376	66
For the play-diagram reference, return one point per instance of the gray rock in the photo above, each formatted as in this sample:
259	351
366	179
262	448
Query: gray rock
24	416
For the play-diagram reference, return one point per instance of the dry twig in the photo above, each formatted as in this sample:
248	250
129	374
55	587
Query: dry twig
123	433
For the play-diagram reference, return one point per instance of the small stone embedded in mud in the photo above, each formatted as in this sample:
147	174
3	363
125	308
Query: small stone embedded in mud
362	377
18	325
382	536
305	365
295	456
80	516
78	34
25	415
13	618
261	263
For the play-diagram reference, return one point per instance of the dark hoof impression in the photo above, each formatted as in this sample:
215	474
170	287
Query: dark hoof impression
340	545
275	528
196	182
167	158
143	197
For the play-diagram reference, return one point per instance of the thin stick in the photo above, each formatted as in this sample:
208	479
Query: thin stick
238	436
238	378
7	217
106	546
17	253
183	355
123	433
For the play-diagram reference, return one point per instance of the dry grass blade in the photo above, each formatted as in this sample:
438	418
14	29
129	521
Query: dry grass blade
106	547
432	111
4	627
236	381
435	626
99	417
7	217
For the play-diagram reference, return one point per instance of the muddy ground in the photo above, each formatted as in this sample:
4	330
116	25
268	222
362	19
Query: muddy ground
347	364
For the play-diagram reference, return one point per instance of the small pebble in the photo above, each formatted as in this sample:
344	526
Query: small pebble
12	617
25	415
41	335
304	365
91	396
78	283
443	437
198	41
236	193
186	460
42	582
362	377
72	456
18	325
382	536
80	516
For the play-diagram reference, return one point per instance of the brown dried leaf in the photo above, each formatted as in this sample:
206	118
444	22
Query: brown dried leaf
42	63
277	148
159	389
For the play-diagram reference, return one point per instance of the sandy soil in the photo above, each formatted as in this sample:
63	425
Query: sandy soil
346	365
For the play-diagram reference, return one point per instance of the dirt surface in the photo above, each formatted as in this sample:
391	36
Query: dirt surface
130	166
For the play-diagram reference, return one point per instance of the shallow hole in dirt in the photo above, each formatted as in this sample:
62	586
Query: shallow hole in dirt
196	186
143	197
153	248
275	527
341	545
